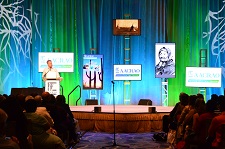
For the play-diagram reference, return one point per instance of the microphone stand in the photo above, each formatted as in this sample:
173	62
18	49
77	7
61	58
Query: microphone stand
114	120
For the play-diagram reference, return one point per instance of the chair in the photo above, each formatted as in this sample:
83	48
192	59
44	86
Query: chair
91	102
145	102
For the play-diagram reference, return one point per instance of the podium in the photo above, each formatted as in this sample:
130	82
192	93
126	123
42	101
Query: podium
52	86
52	83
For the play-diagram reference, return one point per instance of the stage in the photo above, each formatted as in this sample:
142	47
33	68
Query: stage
129	118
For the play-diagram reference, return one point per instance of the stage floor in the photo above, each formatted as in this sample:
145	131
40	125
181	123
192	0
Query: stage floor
129	118
121	108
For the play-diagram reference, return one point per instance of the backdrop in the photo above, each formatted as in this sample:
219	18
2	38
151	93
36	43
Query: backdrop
31	26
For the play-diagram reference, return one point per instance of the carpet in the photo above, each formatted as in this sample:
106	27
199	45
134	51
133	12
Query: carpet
99	140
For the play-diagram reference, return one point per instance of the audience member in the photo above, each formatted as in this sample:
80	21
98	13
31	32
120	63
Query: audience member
21	100
6	143
61	101
2	98
176	112
200	96
193	114
17	120
191	120
41	110
215	127
73	123
60	117
28	97
201	127
181	124
41	139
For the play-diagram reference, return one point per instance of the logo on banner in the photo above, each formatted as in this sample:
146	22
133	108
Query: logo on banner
127	72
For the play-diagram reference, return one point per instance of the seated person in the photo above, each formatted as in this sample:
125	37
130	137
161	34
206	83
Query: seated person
192	116
17	122
41	110
181	124
73	126
176	112
191	119
4	142
201	127
39	125
62	123
215	127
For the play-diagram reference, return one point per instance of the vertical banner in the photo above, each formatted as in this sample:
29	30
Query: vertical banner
93	72
165	60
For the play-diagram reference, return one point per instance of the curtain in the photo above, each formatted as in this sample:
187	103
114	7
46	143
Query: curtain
195	25
79	25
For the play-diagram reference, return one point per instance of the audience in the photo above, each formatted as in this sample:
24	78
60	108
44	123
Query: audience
30	118
39	126
36	121
199	124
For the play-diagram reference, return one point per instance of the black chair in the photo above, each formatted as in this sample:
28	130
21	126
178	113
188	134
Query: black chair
145	102
91	102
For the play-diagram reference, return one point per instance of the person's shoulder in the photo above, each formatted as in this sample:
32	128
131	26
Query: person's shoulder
9	144
218	118
207	115
41	109
45	69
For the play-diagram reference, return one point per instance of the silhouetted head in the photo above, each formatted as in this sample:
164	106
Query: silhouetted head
211	106
45	97
30	106
29	97
38	99
60	99
183	97
200	105
222	103
52	99
192	100
200	96
2	98
3	118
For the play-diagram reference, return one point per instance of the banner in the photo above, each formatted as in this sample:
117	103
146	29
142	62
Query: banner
63	62
203	77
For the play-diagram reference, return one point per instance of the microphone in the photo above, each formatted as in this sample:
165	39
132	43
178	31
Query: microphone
112	82
47	72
